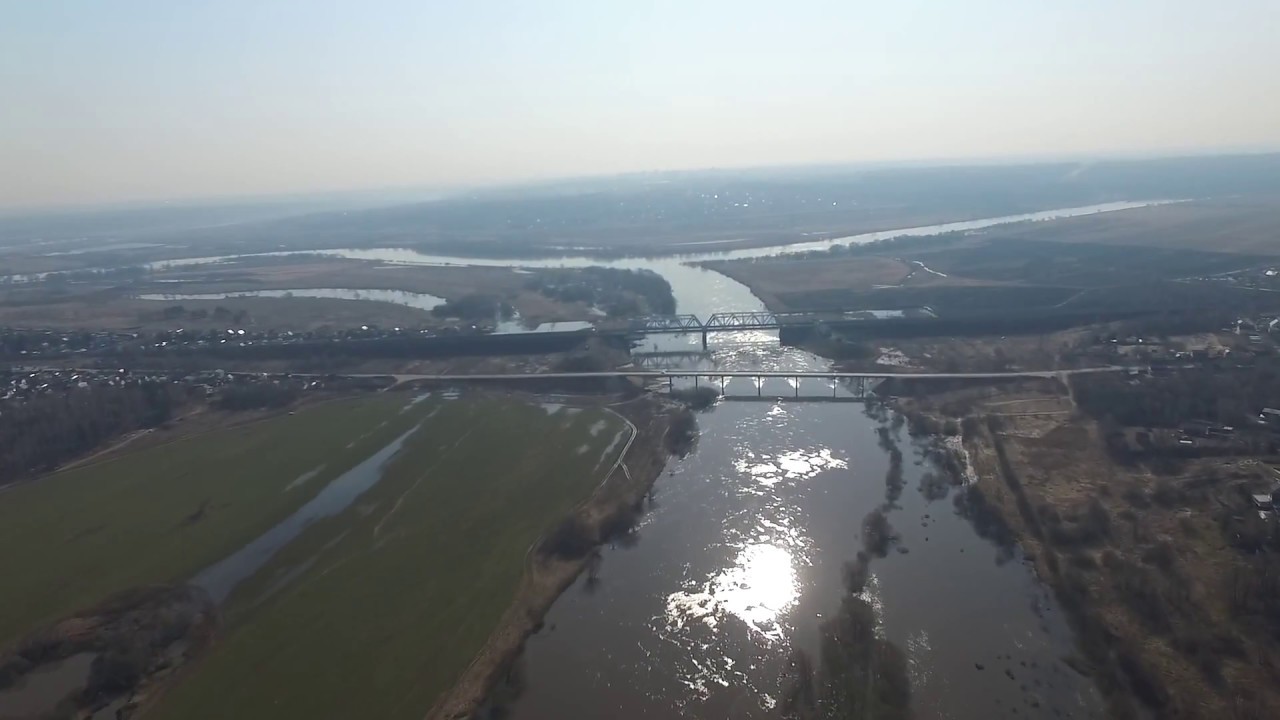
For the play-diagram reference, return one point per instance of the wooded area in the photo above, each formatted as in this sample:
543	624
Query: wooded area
46	431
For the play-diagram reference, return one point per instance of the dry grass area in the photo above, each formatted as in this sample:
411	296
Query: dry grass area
1140	559
1240	225
772	278
100	306
277	274
449	282
989	353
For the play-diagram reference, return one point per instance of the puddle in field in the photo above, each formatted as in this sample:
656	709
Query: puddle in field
416	400
303	479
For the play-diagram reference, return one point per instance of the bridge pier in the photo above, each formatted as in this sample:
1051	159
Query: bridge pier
704	340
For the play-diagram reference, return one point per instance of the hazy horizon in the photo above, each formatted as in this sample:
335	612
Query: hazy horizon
144	102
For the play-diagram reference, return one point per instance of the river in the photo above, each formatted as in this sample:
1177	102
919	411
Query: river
738	561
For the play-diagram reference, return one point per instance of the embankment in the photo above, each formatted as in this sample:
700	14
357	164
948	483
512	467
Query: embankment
554	563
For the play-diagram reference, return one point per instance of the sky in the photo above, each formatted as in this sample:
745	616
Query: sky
131	100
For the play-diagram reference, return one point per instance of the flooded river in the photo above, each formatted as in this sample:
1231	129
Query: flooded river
740	558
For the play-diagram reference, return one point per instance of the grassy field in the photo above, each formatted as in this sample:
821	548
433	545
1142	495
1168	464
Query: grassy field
772	278
105	304
1247	225
162	514
374	612
1123	259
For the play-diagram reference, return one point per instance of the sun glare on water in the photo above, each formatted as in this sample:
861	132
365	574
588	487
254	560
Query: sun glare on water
757	589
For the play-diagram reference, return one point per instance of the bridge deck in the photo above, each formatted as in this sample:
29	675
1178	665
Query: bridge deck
833	375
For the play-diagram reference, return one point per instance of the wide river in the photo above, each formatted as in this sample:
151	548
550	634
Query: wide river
738	560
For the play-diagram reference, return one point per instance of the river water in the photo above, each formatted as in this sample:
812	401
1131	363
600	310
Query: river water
738	561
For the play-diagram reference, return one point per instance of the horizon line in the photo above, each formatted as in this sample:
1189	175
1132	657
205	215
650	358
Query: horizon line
350	194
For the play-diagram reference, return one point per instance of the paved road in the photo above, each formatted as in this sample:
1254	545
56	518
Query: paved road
663	374
832	375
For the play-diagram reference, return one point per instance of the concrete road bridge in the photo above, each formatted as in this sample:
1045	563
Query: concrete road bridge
857	383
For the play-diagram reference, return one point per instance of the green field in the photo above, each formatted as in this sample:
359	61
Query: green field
372	612
383	605
71	539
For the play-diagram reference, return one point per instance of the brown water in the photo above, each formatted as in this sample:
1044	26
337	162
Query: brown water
739	560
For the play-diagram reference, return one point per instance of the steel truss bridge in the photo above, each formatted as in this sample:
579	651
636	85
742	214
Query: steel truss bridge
762	320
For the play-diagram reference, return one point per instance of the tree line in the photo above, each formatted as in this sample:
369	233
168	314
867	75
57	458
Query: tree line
618	292
46	431
1230	396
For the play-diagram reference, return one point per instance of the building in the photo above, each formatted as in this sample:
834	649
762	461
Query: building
1267	501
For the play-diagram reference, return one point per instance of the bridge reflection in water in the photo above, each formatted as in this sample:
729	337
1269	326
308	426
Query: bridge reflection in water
672	360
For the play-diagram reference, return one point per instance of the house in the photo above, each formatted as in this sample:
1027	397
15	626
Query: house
1267	501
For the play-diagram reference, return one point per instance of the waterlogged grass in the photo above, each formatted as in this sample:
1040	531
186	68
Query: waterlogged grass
376	611
162	514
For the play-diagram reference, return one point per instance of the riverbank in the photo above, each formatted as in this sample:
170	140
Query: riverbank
556	560
1145	557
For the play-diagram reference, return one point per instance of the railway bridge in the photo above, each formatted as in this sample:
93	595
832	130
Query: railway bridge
760	320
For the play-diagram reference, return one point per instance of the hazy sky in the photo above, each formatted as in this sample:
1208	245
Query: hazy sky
110	100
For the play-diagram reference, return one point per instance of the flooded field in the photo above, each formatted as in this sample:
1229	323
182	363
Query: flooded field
372	598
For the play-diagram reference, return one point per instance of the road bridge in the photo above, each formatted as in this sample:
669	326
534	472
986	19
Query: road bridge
664	374
643	374
859	384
